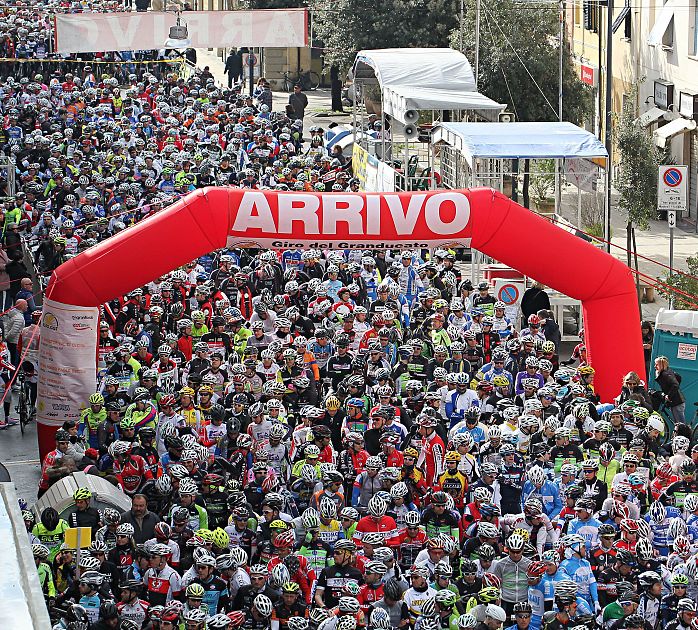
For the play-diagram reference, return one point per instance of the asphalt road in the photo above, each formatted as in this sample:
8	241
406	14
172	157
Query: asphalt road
20	455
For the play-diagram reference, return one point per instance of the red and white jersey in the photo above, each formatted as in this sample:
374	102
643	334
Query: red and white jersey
431	458
163	585
136	611
385	525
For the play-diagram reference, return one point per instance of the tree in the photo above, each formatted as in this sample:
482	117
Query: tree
347	26
685	283
513	34
636	181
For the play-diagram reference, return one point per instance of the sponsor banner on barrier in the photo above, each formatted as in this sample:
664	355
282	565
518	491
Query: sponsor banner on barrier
345	220
67	361
94	32
359	165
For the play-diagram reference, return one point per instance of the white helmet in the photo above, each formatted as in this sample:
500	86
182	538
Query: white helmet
655	422
495	612
377	506
536	476
263	605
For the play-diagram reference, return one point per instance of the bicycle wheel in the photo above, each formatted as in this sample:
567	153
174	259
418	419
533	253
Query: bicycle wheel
313	80
22	409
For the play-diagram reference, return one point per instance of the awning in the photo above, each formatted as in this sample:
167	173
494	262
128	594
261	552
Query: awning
414	79
661	24
651	116
399	99
519	140
621	16
664	134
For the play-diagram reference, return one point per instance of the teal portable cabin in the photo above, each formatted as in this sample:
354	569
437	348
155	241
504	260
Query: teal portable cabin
676	337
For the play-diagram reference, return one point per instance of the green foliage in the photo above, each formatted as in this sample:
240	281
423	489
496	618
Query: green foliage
511	32
683	283
542	180
347	26
638	159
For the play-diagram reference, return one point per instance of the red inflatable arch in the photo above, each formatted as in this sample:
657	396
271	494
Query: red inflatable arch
210	218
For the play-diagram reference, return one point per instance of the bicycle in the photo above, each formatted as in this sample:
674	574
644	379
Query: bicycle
23	406
307	80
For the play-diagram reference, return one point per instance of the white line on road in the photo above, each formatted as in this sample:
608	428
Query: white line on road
22	462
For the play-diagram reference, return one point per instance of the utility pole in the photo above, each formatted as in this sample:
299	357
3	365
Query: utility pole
562	58
608	141
477	40
460	34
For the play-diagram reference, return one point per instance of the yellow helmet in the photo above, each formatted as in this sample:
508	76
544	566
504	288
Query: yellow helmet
586	370
186	391
525	534
206	534
410	451
278	524
452	456
220	538
500	381
205	389
332	403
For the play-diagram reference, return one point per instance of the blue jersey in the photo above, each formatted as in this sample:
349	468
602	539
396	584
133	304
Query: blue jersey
589	530
579	571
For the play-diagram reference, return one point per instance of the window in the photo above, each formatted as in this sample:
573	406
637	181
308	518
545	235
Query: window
694	25
591	15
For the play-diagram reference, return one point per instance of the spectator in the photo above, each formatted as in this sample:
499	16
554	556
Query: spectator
26	292
670	383
142	519
299	101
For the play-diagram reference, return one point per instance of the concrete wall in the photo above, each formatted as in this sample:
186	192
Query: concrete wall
22	605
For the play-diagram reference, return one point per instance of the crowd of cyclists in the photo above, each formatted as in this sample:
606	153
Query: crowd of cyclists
318	440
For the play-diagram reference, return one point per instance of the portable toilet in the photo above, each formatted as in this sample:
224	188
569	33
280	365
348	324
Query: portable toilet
676	337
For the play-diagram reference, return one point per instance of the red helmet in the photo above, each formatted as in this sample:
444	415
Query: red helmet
629	525
620	510
536	569
665	471
533	320
168	400
237	617
162	530
285	540
490	579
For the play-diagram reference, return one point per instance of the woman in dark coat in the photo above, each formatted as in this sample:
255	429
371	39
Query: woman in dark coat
670	384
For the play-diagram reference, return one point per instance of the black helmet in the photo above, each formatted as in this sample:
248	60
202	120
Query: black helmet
174	441
108	610
50	518
62	436
217	412
393	589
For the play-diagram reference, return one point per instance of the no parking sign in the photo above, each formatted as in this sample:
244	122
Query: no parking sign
510	293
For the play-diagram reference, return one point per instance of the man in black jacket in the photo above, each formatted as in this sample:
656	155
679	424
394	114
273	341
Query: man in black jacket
141	518
233	67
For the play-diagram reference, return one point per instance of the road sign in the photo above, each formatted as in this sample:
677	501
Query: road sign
509	293
671	218
672	188
582	173
251	59
672	177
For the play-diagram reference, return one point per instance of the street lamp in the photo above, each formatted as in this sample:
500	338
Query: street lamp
179	36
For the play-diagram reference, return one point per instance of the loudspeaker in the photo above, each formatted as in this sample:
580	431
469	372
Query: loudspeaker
410	132
506	117
411	116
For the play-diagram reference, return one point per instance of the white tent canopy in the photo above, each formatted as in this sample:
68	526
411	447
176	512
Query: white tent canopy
519	140
422	79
